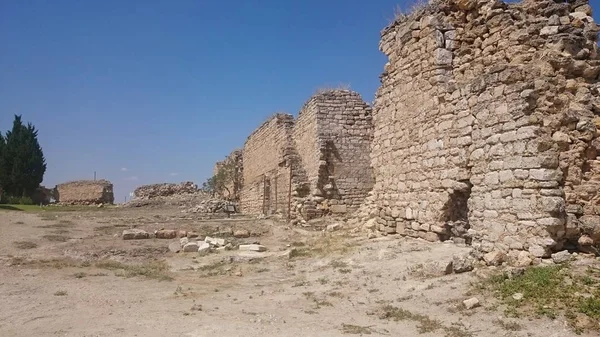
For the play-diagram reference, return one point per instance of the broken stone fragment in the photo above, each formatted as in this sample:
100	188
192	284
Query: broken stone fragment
215	241
471	303
462	263
191	247
253	248
203	248
241	233
334	227
166	234
494	258
135	234
561	257
175	247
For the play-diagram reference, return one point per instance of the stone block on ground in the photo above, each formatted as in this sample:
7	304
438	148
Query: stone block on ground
191	247
561	257
334	227
471	303
462	263
203	248
253	248
166	234
436	268
215	241
175	247
241	233
494	258
135	234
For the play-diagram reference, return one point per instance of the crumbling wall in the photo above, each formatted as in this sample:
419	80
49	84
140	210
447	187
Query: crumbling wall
165	190
265	173
231	169
484	126
85	192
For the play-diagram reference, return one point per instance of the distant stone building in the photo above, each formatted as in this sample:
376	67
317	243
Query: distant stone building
85	192
315	165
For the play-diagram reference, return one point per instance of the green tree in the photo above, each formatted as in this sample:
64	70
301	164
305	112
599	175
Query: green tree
2	165
23	162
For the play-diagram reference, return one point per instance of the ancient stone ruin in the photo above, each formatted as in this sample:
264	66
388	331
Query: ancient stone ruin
486	127
85	192
164	190
317	164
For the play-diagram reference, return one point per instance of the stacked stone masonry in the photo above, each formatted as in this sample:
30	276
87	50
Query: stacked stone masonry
85	192
315	165
486	127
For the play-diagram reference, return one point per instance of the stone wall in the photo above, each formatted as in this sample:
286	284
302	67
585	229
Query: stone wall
485	126
265	175
231	169
316	165
85	192
165	190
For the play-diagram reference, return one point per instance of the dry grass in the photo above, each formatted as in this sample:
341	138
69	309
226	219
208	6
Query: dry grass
24	244
61	293
356	329
425	324
60	224
56	238
322	246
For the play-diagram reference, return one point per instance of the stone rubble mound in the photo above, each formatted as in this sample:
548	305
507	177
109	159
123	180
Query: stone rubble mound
165	190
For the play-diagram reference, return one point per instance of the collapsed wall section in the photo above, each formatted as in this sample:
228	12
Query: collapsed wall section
266	173
484	126
85	192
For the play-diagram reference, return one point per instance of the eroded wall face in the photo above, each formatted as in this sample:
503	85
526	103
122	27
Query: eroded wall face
266	186
85	193
484	113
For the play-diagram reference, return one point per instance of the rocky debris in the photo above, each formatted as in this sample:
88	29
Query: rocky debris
209	206
433	269
241	233
215	241
462	263
175	247
184	241
191	247
135	234
561	257
203	248
523	259
471	303
334	227
165	190
494	258
166	234
517	296
253	248
192	235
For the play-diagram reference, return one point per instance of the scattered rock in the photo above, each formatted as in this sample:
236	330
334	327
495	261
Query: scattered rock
471	303
561	257
462	263
241	233
182	234
135	234
191	247
517	296
494	258
523	259
175	247
166	234
203	248
437	268
334	227
184	241
192	235
585	240
253	248
215	241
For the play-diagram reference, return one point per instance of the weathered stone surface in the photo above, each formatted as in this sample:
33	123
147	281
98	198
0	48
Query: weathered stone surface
85	192
561	257
191	247
334	227
471	303
183	241
253	248
463	263
494	258
203	248
437	268
219	242
175	247
166	234
241	233
135	234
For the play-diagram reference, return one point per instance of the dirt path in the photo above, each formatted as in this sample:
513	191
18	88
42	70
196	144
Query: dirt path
339	285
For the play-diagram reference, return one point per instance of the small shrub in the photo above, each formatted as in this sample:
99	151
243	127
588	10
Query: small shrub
60	293
24	244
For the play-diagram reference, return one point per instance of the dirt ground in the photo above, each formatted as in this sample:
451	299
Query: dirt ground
71	274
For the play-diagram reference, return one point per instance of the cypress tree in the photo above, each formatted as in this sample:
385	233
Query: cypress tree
24	161
2	165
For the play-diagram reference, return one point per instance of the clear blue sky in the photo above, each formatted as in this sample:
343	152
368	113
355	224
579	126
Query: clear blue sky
158	91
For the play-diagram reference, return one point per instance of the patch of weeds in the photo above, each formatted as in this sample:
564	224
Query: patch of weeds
404	298
425	324
302	283
25	244
345	270
60	293
317	301
157	270
60	231
338	264
332	244
214	269
508	325
262	270
323	280
373	290
356	329
19	223
430	286
548	291
80	275
56	238
104	229
335	294
60	224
